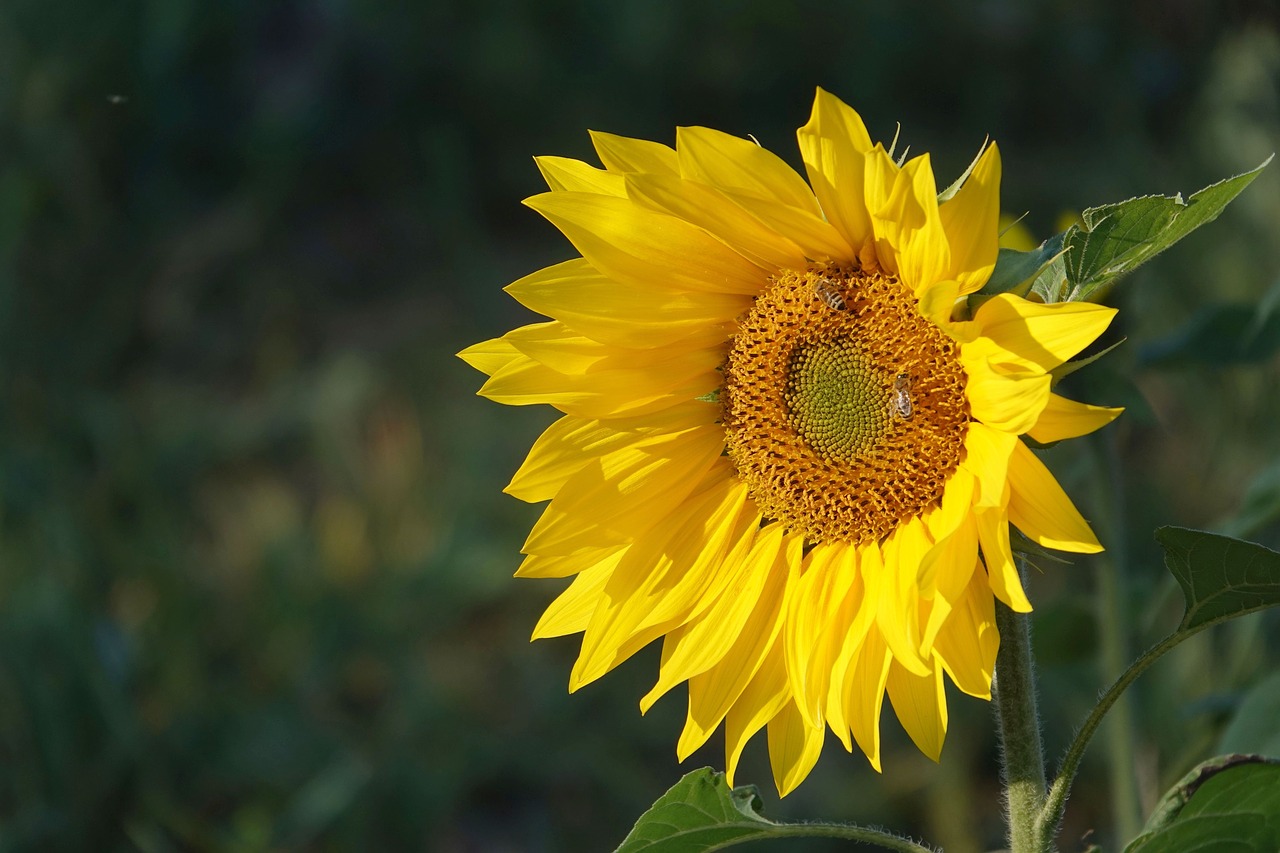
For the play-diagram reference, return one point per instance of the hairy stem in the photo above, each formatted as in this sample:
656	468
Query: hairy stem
1056	802
1021	751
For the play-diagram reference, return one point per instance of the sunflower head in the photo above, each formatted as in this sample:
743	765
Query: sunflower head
788	451
844	407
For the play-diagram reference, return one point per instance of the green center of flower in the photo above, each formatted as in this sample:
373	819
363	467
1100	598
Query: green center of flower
844	408
836	399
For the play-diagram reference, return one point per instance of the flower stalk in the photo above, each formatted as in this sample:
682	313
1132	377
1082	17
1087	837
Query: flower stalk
1018	724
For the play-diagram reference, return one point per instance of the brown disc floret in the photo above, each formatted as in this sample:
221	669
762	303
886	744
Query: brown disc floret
844	407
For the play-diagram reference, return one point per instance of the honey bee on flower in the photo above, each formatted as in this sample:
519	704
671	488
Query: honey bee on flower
826	290
900	397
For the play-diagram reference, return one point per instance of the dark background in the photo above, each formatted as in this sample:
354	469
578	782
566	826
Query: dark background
255	564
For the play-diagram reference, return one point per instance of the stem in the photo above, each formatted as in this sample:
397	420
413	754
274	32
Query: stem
1056	802
1022	754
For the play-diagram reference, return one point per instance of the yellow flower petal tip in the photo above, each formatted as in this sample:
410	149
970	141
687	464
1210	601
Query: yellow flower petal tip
779	454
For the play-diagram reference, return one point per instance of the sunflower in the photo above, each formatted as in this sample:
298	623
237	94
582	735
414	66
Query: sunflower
787	449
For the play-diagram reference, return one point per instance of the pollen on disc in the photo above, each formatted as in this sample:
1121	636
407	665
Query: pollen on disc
815	375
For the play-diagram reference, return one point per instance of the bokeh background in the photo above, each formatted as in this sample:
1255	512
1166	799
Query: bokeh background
255	566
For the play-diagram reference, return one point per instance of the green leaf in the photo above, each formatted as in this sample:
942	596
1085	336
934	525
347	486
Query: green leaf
1231	803
1221	577
702	813
1051	284
1014	268
1116	239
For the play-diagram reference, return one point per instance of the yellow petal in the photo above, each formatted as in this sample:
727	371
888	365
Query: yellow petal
920	701
624	154
833	145
880	176
624	492
637	246
701	580
713	693
731	163
1063	418
804	623
947	569
794	747
864	695
899	615
562	566
849	630
1002	572
908	219
938	300
827	617
987	453
555	345
570	443
839	608
727	633
727	687
571	611
1046	335
560	452
954	510
563	174
817	238
490	356
602	394
657	582
581	377
1004	399
1041	510
971	219
597	307
681	658
763	698
967	644
713	211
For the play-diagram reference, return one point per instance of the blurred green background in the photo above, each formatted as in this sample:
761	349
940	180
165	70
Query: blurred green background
255	564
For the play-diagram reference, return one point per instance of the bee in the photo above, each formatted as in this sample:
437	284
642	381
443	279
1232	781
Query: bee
900	397
826	290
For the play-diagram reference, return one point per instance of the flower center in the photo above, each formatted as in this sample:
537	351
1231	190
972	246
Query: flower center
844	408
835	399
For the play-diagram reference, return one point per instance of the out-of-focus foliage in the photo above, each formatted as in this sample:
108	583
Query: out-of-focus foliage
254	563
